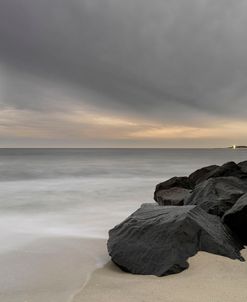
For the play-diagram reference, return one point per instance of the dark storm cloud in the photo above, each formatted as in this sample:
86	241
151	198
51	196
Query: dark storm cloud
165	59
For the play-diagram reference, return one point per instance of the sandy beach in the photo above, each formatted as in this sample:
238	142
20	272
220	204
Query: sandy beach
210	278
49	269
62	269
57	208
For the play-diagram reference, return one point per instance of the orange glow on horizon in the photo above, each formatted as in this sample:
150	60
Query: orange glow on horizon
82	124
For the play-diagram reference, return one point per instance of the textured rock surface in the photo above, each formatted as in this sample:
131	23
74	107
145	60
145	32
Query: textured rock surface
179	182
201	174
158	240
236	218
227	169
217	195
243	166
174	196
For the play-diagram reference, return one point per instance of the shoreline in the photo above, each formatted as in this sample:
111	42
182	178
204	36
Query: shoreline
90	272
50	269
209	278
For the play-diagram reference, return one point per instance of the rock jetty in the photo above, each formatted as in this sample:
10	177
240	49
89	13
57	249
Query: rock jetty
205	211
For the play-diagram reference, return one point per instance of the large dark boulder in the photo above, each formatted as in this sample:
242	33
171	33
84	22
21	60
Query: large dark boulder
158	240
217	195
174	196
201	174
179	182
236	218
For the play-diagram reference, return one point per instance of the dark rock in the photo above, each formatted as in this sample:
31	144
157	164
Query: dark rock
228	169
201	174
174	196
236	218
217	195
179	182
243	166
158	240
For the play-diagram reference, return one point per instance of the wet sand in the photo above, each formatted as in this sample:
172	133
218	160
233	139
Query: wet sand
210	278
61	269
50	269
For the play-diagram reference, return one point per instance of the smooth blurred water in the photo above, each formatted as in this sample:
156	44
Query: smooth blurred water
84	192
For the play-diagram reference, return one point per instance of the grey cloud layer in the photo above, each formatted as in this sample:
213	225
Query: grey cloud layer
165	59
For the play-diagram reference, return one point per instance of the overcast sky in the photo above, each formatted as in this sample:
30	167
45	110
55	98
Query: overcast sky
114	73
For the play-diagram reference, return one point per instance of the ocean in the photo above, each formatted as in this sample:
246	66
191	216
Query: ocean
82	193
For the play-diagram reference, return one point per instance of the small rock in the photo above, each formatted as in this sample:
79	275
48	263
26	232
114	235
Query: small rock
179	182
174	196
